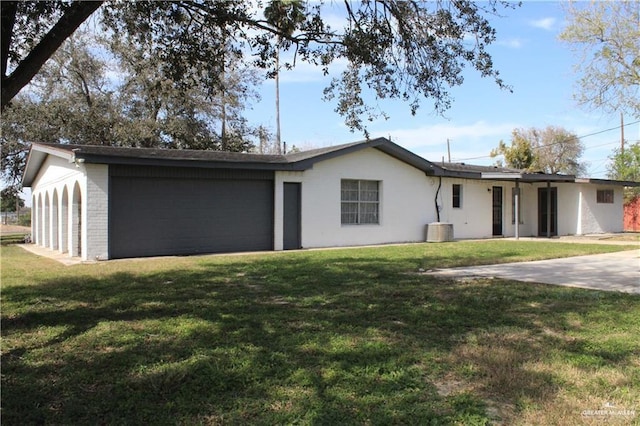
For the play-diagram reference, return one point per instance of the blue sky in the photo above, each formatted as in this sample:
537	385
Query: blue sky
530	58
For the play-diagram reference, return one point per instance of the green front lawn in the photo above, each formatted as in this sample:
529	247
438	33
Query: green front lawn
353	336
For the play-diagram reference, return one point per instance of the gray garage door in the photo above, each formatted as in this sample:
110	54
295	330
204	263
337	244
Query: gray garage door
167	211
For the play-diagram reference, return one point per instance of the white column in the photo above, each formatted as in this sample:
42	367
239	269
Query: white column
278	212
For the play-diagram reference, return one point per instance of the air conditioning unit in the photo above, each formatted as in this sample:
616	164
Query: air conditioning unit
439	232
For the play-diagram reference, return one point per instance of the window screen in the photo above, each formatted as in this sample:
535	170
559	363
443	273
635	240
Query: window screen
605	196
360	202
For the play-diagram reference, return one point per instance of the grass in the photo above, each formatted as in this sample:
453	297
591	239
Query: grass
626	236
319	337
12	238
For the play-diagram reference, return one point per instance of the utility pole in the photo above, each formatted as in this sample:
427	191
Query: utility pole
448	150
278	141
621	134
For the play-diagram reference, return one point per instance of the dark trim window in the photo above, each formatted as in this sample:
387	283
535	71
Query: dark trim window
360	202
457	195
605	196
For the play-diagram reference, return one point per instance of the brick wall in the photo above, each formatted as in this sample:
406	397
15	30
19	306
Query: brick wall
95	233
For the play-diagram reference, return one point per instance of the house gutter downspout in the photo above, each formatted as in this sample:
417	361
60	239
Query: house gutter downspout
436	199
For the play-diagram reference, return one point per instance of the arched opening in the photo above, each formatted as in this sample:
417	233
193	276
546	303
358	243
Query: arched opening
54	221
76	222
64	221
34	218
46	224
39	232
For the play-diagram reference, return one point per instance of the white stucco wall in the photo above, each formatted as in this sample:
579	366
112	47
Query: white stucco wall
473	219
58	179
407	204
597	217
578	211
568	208
406	201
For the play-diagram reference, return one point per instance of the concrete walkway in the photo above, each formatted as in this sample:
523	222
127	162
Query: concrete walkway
63	258
618	271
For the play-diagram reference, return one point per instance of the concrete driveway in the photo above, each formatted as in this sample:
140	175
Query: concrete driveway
618	271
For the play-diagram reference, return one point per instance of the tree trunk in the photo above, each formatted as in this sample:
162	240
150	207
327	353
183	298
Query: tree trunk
77	13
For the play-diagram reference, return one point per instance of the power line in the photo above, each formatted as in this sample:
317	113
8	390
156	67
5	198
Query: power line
560	142
601	145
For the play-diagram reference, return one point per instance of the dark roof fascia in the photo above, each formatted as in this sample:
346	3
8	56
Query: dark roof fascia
407	156
544	177
123	156
503	175
611	182
167	162
444	172
527	177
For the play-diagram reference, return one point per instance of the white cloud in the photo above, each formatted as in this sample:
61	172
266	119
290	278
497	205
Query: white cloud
467	141
438	134
543	23
514	43
304	72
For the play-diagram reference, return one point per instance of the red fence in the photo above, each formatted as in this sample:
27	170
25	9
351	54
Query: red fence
632	215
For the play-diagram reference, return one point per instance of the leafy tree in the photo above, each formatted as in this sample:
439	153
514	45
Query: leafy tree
550	150
607	37
399	49
11	200
204	115
625	165
557	150
518	156
72	100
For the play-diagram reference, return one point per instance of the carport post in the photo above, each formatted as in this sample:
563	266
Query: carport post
548	209
517	208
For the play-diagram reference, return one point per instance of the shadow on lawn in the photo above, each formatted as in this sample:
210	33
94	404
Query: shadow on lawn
282	339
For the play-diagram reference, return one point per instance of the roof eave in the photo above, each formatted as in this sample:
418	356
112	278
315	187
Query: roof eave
444	172
543	177
37	155
168	162
611	182
501	176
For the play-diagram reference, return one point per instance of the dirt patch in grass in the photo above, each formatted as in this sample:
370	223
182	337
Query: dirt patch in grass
627	236
14	229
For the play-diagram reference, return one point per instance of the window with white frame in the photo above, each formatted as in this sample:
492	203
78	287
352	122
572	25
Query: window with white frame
360	202
604	196
457	196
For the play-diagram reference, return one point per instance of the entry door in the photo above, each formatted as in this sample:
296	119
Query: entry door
547	216
292	239
497	210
